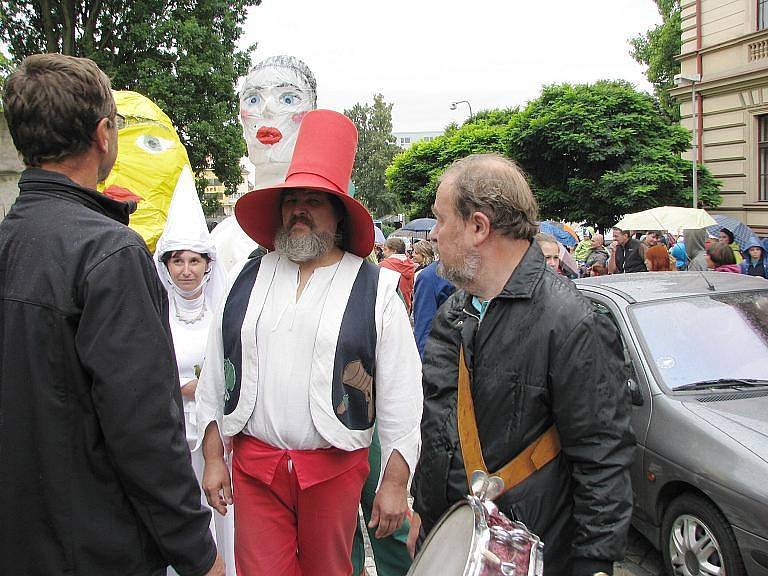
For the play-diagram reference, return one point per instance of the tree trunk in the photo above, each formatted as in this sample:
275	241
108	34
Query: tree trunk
50	37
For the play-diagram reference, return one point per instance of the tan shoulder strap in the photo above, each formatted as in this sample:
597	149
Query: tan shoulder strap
538	453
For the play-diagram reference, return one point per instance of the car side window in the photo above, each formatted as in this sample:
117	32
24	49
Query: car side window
629	366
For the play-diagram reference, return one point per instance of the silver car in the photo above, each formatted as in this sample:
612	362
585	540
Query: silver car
696	351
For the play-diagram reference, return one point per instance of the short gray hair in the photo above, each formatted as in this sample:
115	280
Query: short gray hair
497	187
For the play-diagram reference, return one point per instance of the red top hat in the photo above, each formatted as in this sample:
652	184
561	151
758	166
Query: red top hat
322	160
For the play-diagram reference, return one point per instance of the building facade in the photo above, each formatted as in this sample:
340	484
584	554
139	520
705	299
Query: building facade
10	169
407	139
726	43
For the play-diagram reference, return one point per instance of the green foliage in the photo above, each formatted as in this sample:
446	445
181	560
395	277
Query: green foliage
413	175
5	69
657	49
592	152
596	152
375	149
180	53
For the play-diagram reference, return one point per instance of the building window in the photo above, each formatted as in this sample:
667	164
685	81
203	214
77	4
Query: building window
762	14
763	150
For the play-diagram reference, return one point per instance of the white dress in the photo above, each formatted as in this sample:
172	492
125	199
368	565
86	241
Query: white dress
190	320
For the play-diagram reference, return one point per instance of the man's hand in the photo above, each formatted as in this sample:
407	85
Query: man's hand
216	482
391	502
188	390
218	568
413	535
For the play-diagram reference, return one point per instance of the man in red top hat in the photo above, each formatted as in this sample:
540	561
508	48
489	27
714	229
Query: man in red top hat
311	349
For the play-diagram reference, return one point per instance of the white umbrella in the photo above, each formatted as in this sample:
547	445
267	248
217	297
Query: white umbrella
670	218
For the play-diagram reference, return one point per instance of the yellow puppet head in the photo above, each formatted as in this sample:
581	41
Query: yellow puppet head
150	159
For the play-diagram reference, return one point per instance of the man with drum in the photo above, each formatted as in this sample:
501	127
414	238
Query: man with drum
312	348
522	379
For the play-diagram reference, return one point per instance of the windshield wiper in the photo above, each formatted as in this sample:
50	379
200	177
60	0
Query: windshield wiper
723	383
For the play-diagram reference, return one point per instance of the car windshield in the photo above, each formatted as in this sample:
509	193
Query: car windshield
713	339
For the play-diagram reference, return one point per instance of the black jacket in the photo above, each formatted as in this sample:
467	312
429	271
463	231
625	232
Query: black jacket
95	473
540	355
630	257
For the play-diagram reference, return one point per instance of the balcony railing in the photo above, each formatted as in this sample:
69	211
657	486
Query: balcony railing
758	50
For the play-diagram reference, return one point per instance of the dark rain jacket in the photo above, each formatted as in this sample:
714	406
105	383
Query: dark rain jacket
95	473
541	355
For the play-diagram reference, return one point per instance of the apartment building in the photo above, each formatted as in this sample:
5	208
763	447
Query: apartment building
726	43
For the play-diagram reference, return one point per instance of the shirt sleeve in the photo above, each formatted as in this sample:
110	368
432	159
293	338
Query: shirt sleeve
209	394
399	395
124	342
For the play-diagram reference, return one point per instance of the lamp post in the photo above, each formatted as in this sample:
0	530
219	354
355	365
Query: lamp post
680	80
453	106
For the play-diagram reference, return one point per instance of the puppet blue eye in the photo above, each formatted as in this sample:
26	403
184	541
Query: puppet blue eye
254	99
290	98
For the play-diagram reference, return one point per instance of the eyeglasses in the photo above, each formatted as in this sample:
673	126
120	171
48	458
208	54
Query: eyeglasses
122	121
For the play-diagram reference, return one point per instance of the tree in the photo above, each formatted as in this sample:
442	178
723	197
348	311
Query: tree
180	53
413	175
657	49
592	153
597	152
375	149
5	70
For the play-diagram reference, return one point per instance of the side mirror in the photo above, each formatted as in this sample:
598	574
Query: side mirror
634	393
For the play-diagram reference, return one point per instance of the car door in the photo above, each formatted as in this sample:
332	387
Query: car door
640	392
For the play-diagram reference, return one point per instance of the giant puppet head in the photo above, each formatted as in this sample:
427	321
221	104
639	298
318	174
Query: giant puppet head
275	96
149	162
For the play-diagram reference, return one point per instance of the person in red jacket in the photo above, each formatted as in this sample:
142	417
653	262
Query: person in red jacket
395	259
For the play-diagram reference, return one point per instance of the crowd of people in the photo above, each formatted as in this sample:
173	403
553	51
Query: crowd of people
161	415
655	251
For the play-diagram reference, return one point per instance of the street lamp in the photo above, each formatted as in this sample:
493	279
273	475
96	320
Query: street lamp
681	80
453	106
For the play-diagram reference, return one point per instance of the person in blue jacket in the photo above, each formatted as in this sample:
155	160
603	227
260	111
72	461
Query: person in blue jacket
430	292
678	253
755	261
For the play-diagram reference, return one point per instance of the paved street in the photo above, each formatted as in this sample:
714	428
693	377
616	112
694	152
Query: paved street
641	559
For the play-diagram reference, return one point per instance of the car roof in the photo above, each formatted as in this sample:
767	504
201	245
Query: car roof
651	286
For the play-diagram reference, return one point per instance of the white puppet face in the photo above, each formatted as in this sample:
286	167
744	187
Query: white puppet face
273	100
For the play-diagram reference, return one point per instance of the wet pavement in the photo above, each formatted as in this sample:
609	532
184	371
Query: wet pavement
642	559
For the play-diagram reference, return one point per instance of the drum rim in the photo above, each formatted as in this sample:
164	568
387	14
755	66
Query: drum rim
480	533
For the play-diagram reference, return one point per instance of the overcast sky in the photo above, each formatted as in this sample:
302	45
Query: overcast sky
424	54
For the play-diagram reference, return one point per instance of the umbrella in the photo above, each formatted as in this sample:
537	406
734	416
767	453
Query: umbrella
403	233
378	235
420	225
561	235
671	218
742	233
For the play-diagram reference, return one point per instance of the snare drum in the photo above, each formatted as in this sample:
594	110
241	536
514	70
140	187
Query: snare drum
474	538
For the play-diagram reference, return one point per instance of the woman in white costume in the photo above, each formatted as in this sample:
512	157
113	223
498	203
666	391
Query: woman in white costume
195	280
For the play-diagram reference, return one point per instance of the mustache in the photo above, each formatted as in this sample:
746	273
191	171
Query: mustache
300	219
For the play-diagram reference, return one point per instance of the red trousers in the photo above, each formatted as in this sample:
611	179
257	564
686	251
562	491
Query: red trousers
291	522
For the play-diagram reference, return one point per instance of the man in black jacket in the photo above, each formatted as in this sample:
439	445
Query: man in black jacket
95	474
538	355
627	254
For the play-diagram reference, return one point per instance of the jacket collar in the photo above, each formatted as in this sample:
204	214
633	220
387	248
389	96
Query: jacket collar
39	181
525	277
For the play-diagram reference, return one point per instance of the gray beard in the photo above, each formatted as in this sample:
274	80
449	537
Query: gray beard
464	276
303	248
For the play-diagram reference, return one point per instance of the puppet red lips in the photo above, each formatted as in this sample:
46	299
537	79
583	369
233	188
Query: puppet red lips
268	135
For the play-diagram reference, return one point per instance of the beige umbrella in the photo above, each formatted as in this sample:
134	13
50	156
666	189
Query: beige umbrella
670	218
